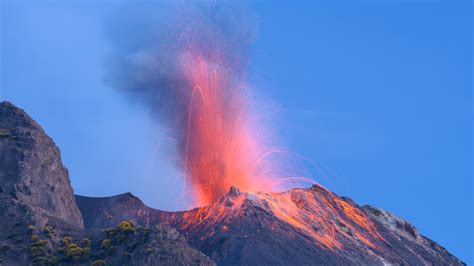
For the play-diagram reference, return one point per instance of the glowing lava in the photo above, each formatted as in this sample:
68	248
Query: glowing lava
222	146
316	214
196	83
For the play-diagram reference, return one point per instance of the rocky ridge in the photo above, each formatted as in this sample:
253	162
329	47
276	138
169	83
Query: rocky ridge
41	224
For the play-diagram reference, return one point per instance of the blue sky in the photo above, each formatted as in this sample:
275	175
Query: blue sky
379	93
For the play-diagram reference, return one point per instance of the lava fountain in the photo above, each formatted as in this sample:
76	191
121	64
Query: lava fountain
192	73
222	147
191	70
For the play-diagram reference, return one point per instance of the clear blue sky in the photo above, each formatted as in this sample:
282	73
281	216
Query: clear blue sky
380	93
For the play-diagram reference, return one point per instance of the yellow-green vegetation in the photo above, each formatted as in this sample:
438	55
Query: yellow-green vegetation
76	251
47	230
126	226
40	243
117	244
37	248
86	251
66	240
53	260
5	134
105	244
98	263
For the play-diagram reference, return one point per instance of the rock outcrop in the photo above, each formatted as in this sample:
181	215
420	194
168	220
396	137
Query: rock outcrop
270	229
31	172
41	224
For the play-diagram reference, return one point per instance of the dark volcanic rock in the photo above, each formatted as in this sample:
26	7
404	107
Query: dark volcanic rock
35	189
107	211
31	172
40	223
244	229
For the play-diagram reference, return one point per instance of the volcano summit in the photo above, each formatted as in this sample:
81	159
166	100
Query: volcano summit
43	223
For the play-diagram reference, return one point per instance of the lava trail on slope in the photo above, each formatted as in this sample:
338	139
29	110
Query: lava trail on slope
297	227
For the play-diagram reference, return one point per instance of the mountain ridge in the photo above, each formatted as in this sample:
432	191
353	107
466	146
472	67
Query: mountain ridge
228	246
40	222
43	223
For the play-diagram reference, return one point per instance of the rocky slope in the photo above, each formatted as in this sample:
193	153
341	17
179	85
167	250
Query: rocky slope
271	229
31	172
40	222
249	229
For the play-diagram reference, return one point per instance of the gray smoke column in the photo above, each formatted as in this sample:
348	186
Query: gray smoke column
151	42
188	64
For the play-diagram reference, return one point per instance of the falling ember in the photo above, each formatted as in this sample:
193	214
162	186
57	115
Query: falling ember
316	213
221	148
195	82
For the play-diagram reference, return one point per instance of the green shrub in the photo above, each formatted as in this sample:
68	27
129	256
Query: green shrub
126	226
47	230
105	244
75	251
53	260
86	250
98	263
4	133
67	240
39	243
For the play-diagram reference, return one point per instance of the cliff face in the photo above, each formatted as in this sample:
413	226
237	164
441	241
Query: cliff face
31	172
40	222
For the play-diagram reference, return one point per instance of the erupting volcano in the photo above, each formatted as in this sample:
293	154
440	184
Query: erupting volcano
193	75
240	187
197	86
220	146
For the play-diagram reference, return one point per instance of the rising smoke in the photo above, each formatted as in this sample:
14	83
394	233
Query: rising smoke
188	64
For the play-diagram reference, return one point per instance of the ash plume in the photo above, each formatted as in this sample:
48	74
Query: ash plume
150	43
188	66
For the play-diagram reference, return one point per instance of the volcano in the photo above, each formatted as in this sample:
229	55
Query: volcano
246	229
43	223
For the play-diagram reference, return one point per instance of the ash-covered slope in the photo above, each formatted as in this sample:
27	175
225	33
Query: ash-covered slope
298	227
40	223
